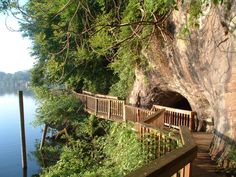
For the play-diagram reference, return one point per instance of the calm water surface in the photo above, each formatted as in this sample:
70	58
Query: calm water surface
10	145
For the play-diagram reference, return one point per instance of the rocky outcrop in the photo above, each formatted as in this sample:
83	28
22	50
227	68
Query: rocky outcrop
200	66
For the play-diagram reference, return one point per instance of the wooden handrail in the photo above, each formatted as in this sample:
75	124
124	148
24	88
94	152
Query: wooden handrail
100	95
155	142
172	109
173	162
136	114
173	118
175	136
177	117
170	163
156	120
102	107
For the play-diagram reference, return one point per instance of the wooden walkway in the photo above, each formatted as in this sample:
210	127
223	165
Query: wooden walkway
112	108
203	166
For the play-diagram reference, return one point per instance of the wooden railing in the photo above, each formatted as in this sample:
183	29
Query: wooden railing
158	142
155	141
136	114
178	162
99	95
156	119
111	108
103	107
175	118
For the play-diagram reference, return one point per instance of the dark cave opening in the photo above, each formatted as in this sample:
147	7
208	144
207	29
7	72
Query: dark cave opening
182	104
172	99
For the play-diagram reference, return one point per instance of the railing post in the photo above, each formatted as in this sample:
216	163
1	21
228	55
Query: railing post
191	121
160	121
187	170
86	102
137	115
96	106
169	114
137	128
124	112
109	109
175	175
182	172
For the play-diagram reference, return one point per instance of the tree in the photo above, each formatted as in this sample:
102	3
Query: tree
97	44
77	40
4	4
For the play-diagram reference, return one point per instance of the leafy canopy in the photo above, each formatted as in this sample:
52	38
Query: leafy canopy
92	45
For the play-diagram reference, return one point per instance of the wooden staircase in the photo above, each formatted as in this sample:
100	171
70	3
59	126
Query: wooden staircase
173	162
203	166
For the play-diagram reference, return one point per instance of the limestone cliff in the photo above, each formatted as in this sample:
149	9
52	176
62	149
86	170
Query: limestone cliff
200	66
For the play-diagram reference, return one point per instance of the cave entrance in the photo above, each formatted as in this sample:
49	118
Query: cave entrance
173	100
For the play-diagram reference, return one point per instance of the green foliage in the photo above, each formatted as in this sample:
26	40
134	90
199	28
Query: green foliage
232	156
131	12
195	11
217	1
162	7
104	148
93	153
64	53
56	108
49	155
150	145
4	5
93	45
69	164
103	40
74	41
124	67
81	152
122	150
184	32
77	40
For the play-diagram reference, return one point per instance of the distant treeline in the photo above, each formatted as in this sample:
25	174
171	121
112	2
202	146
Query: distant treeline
10	83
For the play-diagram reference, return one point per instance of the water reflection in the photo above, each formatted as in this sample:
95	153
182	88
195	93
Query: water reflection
24	171
50	153
10	149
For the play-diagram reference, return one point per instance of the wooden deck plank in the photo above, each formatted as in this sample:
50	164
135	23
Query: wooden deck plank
203	166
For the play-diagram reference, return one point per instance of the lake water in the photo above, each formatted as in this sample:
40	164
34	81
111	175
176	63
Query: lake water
10	144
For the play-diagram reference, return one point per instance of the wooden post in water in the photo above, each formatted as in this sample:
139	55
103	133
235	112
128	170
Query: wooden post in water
22	126
43	137
24	172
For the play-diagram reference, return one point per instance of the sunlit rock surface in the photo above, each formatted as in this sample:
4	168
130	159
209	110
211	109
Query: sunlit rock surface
199	66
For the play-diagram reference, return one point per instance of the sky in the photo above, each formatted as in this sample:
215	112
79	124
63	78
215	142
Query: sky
14	49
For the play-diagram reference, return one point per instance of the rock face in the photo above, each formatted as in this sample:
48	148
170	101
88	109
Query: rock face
200	66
